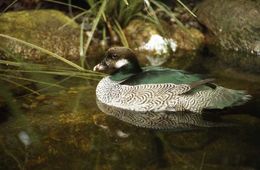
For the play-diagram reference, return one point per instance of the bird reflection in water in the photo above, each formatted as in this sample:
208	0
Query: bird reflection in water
160	120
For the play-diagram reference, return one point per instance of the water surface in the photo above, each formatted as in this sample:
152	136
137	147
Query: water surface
64	129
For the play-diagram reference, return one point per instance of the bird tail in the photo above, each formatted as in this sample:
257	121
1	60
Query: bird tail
225	97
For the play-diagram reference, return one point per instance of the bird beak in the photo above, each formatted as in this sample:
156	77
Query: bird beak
100	67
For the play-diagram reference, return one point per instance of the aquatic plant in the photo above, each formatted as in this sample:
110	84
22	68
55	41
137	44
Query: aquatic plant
107	17
10	69
112	17
117	14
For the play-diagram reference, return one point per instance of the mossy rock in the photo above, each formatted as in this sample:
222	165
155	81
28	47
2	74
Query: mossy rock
233	24
189	39
49	29
139	32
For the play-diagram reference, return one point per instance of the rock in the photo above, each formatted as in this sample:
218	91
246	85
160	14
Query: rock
140	33
232	24
158	49
220	59
44	28
189	39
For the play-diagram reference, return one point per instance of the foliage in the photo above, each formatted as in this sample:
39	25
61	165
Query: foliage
10	69
115	15
108	16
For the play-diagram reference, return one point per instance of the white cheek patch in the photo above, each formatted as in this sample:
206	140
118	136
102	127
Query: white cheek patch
121	63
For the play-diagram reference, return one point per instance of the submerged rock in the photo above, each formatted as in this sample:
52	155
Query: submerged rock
232	24
68	132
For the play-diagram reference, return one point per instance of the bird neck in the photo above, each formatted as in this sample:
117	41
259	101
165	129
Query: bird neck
126	72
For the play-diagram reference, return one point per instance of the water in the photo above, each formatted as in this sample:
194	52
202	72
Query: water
64	129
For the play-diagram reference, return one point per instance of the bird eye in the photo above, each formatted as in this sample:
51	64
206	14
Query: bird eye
114	56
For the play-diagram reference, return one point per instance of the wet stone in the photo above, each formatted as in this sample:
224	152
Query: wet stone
48	29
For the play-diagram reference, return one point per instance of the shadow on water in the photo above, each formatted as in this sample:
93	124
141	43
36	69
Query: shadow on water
64	129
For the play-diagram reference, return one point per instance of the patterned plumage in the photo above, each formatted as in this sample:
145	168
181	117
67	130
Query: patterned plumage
160	120
157	89
166	97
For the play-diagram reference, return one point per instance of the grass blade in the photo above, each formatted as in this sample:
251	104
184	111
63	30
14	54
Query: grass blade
81	40
121	33
44	51
184	6
151	12
66	4
20	85
73	19
45	88
35	67
9	6
31	80
93	29
126	2
60	73
80	14
166	9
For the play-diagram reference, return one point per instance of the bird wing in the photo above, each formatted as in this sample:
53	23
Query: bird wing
160	89
147	97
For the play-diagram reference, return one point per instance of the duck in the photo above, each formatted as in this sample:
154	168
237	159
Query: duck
156	89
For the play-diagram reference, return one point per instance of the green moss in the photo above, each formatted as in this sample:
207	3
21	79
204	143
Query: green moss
42	28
